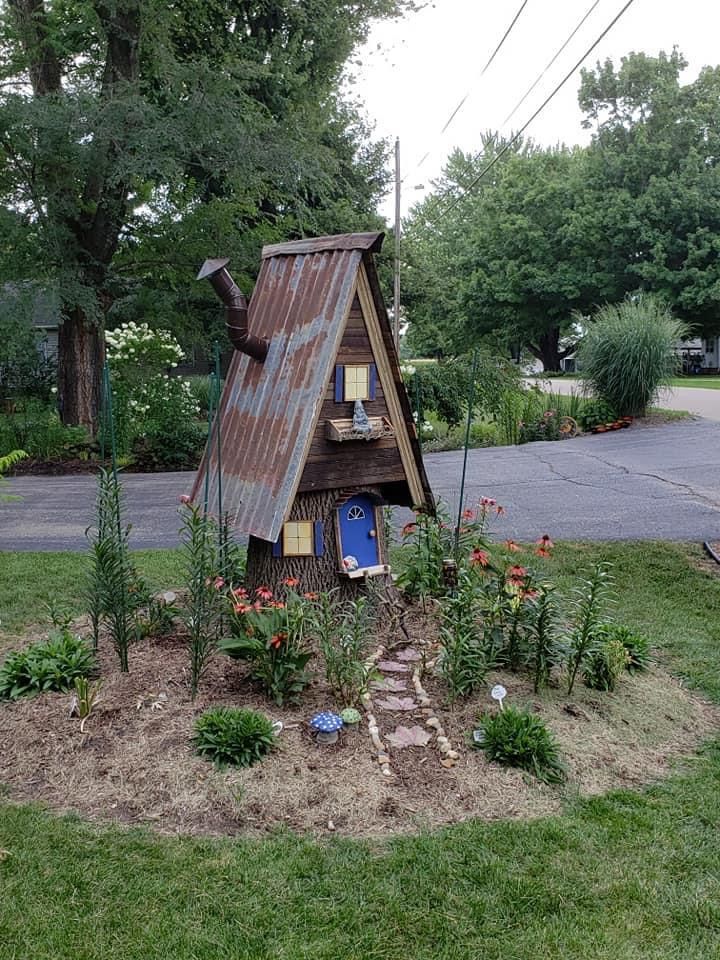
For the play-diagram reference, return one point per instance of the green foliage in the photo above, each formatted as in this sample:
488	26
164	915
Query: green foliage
169	444
342	631
591	596
86	696
204	390
273	640
227	735
604	664
6	461
636	645
35	427
596	412
202	610
544	647
114	591
463	662
628	353
517	738
53	664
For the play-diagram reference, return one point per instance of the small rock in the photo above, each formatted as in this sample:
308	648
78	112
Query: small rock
387	772
391	666
425	701
383	758
443	740
432	722
428	711
453	754
331	825
447	762
408	655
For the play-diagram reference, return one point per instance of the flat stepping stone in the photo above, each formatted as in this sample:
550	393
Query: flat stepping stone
388	685
397	703
403	737
391	666
408	655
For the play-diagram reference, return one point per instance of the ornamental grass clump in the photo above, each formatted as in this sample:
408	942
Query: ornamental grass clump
518	738
637	646
231	736
628	353
605	665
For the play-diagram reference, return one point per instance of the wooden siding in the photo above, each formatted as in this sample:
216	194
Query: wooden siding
331	465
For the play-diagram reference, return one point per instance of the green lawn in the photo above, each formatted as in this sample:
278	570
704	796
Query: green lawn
710	383
628	876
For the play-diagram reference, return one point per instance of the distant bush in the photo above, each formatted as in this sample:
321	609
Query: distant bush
227	735
51	665
36	428
517	738
628	353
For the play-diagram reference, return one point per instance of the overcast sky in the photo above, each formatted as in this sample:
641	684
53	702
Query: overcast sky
414	72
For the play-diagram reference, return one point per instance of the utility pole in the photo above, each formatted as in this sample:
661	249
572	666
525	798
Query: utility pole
396	277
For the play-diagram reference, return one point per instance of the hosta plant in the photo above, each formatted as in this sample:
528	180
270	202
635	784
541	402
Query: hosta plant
239	737
518	738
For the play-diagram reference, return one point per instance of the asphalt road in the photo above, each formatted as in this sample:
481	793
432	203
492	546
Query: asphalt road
659	482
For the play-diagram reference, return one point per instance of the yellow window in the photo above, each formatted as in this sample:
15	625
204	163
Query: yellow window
357	382
298	538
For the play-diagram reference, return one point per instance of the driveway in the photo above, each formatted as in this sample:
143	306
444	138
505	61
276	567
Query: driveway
643	483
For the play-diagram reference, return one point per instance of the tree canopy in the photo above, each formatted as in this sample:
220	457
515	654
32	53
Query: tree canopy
554	231
137	138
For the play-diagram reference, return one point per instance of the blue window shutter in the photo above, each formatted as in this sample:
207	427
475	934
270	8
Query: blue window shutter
372	381
319	538
277	547
339	384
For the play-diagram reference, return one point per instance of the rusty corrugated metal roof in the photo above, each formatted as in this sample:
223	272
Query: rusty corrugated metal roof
268	410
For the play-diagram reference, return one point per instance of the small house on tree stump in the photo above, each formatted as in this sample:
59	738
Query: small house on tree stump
317	433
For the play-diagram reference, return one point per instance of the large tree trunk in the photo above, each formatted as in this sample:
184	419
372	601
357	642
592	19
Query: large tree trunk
314	574
547	350
81	353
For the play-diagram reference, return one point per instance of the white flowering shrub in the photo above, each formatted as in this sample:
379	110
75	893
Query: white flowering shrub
424	428
134	351
155	413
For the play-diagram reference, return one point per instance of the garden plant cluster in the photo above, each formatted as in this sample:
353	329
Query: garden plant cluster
484	607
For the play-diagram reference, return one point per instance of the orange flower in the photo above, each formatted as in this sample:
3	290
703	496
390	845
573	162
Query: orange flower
311	596
468	514
242	607
487	502
479	557
218	583
500	511
291	581
276	605
264	593
408	529
512	546
277	640
543	552
516	576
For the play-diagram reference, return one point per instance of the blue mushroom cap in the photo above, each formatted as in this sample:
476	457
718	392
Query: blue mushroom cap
326	722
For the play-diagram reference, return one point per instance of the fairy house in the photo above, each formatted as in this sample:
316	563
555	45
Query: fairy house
317	433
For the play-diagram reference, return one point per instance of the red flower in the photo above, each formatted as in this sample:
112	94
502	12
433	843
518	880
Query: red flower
291	581
468	514
512	546
500	511
264	593
276	640
218	583
529	594
545	542
311	596
408	529
239	593
543	552
184	499
487	502
516	576
479	557
242	607
276	605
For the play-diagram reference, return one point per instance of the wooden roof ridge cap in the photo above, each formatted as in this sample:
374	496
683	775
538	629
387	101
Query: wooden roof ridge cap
371	242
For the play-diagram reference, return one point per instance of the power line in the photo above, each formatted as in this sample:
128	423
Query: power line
462	102
530	89
539	110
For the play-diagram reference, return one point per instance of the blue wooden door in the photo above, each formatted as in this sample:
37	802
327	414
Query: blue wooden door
358	536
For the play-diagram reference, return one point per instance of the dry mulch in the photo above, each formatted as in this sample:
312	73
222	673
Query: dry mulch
135	764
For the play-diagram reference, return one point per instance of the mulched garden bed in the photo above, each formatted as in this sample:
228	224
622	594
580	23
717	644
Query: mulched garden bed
135	762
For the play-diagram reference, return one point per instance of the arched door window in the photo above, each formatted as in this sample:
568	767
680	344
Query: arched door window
356	513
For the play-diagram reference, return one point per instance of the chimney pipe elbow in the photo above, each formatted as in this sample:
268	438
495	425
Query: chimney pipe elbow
236	310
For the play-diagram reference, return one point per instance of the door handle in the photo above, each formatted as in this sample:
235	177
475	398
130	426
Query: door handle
372	533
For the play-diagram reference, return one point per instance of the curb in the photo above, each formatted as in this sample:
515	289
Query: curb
710	552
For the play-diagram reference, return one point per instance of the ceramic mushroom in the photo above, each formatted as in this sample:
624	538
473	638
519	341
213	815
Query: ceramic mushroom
326	726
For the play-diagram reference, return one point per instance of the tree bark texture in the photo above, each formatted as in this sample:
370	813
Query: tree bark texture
81	354
547	349
315	574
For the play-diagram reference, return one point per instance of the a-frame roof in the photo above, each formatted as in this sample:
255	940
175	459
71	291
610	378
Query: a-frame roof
269	410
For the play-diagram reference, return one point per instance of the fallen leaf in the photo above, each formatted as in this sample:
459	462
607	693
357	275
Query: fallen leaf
389	685
392	667
397	703
403	737
408	655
